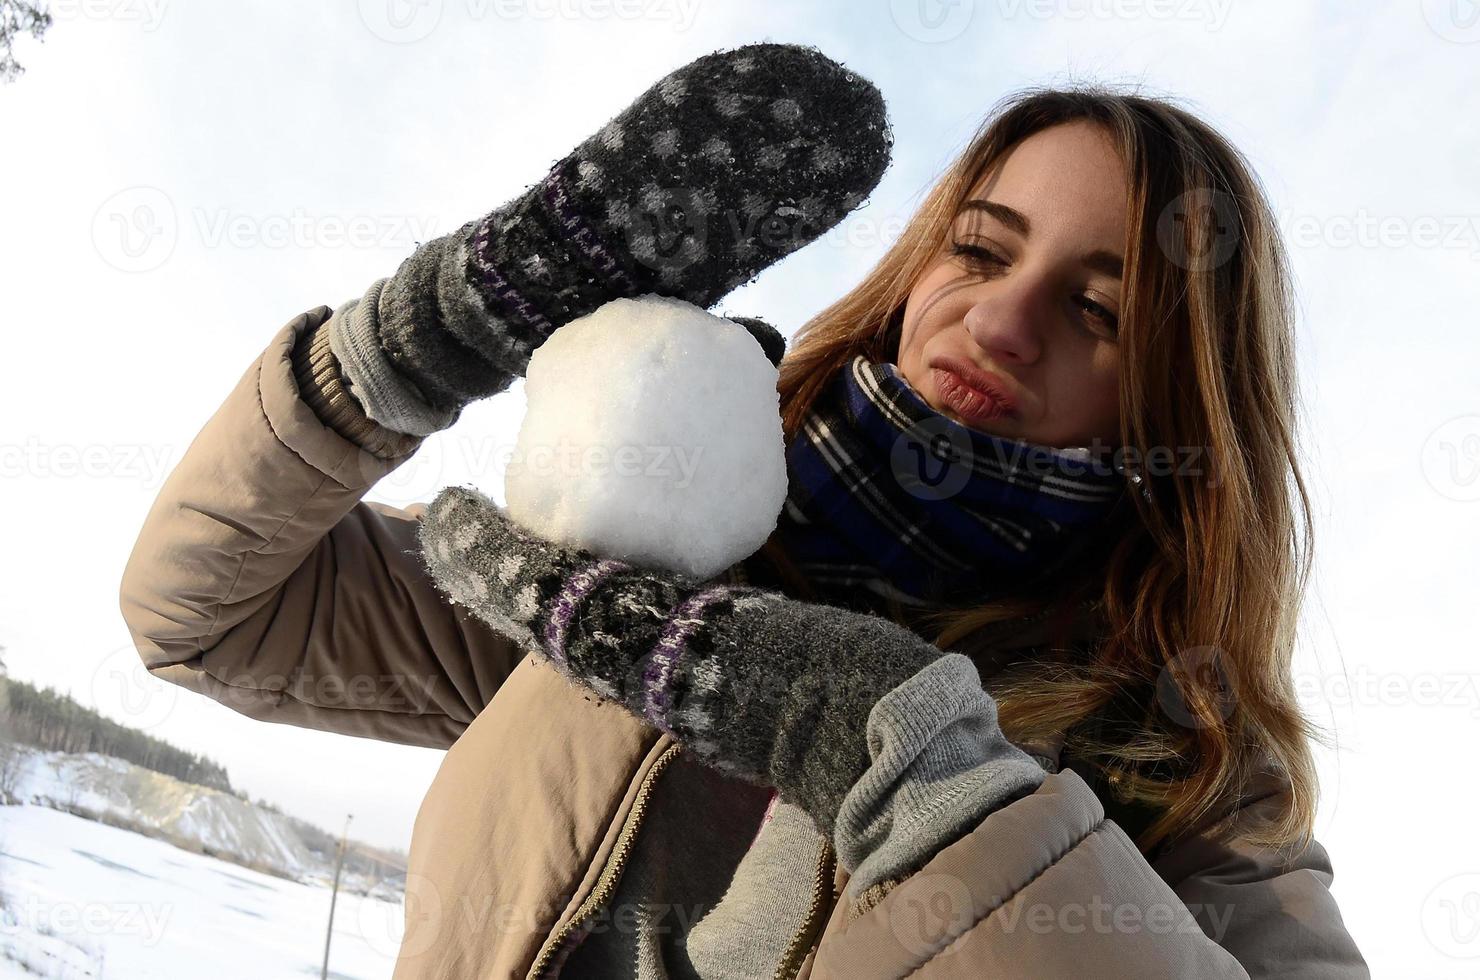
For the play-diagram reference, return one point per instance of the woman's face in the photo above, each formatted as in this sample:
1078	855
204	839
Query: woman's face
1026	289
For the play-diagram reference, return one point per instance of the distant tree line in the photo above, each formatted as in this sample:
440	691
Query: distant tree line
45	719
54	722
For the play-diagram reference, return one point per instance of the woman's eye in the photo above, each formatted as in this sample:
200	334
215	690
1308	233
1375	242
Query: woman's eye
976	255
1100	314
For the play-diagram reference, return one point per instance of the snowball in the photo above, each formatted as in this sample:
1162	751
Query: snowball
653	435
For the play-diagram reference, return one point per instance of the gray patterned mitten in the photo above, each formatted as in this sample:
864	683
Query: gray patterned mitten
717	171
773	690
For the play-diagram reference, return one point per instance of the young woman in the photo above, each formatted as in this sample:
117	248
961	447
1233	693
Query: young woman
1007	692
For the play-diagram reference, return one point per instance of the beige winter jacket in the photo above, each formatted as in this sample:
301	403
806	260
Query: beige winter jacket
261	579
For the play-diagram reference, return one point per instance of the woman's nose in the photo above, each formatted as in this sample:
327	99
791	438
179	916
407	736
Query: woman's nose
1005	321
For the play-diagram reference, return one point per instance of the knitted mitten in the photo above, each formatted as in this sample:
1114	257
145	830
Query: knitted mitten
771	689
720	169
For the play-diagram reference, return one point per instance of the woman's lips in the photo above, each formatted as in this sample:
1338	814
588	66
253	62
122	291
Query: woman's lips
976	400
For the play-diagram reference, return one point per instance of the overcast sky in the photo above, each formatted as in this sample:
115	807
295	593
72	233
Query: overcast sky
179	181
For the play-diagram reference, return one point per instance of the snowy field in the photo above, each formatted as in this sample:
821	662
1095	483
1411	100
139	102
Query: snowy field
85	900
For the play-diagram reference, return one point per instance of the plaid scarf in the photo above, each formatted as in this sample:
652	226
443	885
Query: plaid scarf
887	494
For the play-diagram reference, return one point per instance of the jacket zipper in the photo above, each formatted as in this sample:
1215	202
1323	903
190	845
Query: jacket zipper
606	884
801	943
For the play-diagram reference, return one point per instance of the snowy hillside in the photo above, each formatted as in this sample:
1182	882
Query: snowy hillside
81	900
193	817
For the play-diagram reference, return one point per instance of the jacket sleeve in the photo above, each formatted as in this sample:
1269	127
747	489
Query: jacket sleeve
261	579
1048	887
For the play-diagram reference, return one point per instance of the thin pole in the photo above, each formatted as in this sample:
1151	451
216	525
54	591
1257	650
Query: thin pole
334	895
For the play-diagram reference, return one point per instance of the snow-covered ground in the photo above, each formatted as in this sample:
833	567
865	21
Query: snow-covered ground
206	819
86	900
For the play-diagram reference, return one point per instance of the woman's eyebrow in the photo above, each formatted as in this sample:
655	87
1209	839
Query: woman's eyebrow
1011	217
1099	260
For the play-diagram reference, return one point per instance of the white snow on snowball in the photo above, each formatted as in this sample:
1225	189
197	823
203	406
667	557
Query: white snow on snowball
652	435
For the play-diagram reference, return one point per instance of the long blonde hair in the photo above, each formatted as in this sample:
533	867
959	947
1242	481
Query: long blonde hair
1200	586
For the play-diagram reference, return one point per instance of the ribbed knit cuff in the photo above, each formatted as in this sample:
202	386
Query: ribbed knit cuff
321	386
387	396
939	765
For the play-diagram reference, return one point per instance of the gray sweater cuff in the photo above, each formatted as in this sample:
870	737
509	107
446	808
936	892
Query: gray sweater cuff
939	765
382	391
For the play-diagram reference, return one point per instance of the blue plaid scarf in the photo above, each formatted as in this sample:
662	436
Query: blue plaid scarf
889	495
